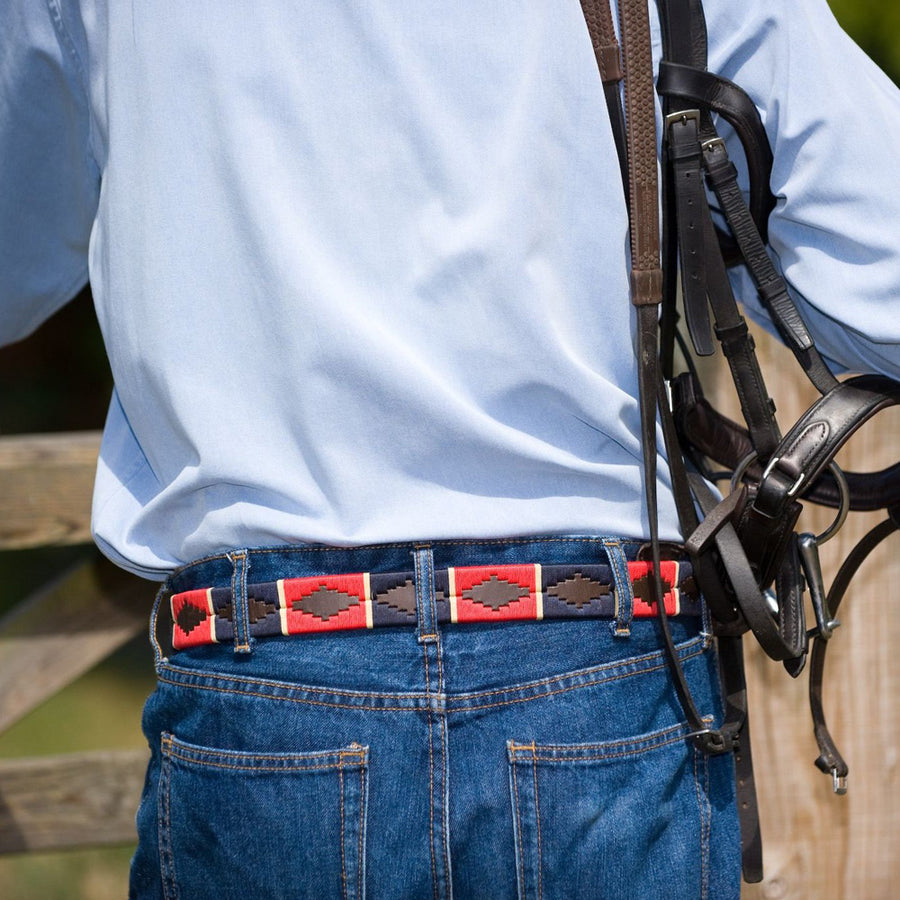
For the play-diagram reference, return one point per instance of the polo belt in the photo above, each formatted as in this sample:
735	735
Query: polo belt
503	593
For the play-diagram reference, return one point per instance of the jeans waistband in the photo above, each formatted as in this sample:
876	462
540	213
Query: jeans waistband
247	594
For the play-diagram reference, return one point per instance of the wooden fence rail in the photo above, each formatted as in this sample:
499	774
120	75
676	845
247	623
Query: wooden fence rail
817	845
53	637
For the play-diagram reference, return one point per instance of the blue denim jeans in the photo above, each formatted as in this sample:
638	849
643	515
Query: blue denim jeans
501	760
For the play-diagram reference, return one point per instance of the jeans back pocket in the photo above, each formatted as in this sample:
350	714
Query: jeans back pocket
290	824
618	819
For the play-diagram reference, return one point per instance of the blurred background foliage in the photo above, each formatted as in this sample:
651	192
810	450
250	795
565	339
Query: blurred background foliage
875	26
58	380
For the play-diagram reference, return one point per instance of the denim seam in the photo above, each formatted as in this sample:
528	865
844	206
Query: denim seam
360	851
434	883
343	835
464	709
164	840
442	726
520	868
425	642
171	746
237	768
632	665
647	739
445	801
537	816
171	750
622	754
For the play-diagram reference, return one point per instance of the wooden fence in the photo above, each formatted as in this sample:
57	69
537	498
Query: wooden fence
50	639
817	845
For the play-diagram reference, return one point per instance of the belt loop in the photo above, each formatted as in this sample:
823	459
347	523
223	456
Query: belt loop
426	608
163	595
243	642
624	591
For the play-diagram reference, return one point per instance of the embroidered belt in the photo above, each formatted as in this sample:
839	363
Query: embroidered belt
503	593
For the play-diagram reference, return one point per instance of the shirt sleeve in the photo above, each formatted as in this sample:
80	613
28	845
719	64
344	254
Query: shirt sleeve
833	119
50	183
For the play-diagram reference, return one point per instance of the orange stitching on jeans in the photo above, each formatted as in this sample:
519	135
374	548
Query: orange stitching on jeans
689	652
462	709
362	827
562	690
521	861
343	836
324	767
424	575
537	815
644	740
445	836
233	558
430	777
622	754
168	741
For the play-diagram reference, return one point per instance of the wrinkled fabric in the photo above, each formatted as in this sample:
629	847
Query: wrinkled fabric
361	267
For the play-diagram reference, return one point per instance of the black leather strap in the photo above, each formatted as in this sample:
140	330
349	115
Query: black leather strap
778	631
702	89
684	31
734	684
771	285
687	190
715	437
684	34
811	445
646	285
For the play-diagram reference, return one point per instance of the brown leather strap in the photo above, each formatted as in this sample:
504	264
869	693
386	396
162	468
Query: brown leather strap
640	120
646	285
599	20
646	295
598	17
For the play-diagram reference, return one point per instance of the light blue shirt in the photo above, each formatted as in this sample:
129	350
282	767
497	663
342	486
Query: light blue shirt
361	265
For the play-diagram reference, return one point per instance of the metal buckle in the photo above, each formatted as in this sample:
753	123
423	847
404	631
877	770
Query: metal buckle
715	143
792	492
835	469
683	117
